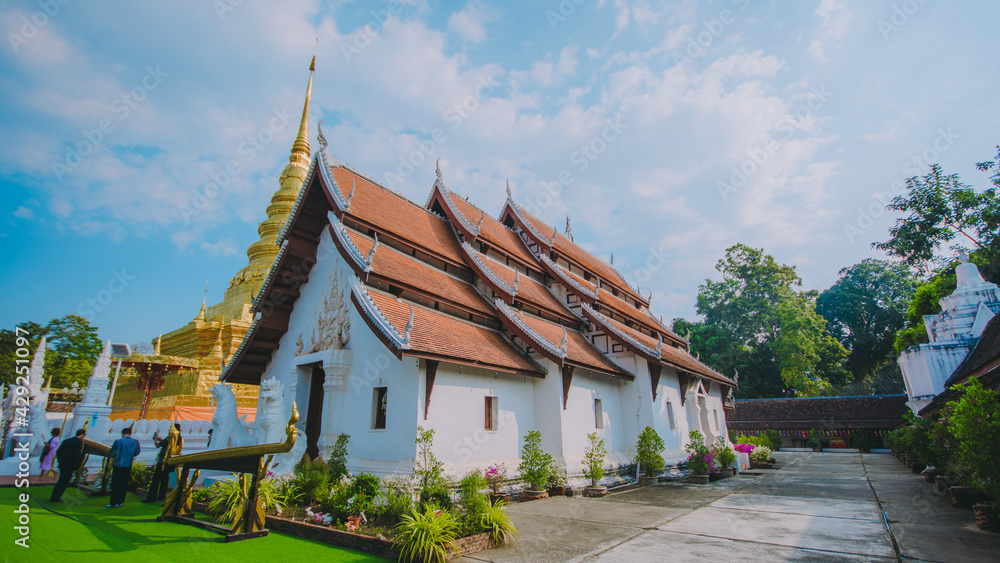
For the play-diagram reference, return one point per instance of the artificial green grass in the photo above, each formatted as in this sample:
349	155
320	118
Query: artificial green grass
131	533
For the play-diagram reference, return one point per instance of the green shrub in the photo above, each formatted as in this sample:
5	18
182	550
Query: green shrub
774	439
394	499
696	443
593	456
862	440
141	474
228	496
722	453
648	450
974	421
761	454
534	466
436	496
366	484
312	479
497	523
426	536
338	458
814	441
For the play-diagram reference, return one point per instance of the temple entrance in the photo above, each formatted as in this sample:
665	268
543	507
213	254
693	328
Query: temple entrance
314	411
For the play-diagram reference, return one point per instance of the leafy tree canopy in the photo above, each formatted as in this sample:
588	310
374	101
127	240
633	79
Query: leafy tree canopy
72	347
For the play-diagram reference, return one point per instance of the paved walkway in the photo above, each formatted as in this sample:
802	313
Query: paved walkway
814	507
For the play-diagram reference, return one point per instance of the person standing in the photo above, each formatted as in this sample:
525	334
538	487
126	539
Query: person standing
172	445
69	457
123	451
49	453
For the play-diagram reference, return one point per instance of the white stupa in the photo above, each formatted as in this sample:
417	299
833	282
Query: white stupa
952	333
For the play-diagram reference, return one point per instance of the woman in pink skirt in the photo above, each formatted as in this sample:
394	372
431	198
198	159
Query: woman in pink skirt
49	454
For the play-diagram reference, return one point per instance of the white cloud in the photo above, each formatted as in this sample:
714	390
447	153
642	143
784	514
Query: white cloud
23	212
470	22
222	247
835	16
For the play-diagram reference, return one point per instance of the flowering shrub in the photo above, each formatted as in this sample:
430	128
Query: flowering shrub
744	448
723	453
496	476
700	464
761	453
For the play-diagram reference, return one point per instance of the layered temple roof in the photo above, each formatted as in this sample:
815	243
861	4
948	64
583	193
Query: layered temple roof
448	282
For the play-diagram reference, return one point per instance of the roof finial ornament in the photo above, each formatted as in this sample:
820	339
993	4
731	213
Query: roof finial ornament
555	232
350	196
569	229
321	139
650	298
437	170
612	258
659	343
736	375
564	343
409	327
688	335
510	196
482	215
517	278
371	254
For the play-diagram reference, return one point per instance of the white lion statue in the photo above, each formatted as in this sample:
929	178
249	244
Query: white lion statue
228	430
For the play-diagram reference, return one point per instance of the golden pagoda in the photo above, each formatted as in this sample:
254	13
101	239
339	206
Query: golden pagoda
216	331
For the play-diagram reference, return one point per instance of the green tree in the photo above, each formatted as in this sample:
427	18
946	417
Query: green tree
72	347
942	210
865	309
745	315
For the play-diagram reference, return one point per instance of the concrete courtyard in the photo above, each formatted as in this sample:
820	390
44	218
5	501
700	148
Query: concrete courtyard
812	507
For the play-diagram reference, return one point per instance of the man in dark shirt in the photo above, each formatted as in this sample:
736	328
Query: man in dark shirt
172	445
69	456
123	451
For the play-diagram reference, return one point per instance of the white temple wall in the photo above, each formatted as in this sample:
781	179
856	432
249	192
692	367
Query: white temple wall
457	415
580	419
669	417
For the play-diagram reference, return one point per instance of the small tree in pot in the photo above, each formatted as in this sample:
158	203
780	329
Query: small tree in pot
593	468
648	450
814	441
724	455
556	482
534	466
700	460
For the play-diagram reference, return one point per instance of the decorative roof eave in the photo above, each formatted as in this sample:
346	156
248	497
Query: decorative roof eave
525	224
519	327
298	201
265	288
484	271
378	322
556	271
468	229
235	359
651	354
344	205
350	251
669	332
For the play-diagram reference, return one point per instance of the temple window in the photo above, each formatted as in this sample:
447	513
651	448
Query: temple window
492	413
598	415
378	408
670	415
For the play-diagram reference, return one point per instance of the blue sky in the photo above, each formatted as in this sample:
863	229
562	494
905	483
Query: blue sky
667	131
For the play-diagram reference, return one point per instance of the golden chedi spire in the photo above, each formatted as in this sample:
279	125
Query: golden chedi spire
261	254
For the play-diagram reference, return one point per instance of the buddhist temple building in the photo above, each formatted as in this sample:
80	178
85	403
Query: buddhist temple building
380	315
952	333
215	332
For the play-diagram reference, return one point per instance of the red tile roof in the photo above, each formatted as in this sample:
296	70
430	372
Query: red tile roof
569	249
393	214
528	290
407	271
438	335
579	349
494	232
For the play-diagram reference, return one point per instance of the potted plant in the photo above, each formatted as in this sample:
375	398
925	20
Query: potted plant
556	482
814	441
863	441
496	476
534	466
648	450
760	458
593	466
356	505
724	456
973	420
699	461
